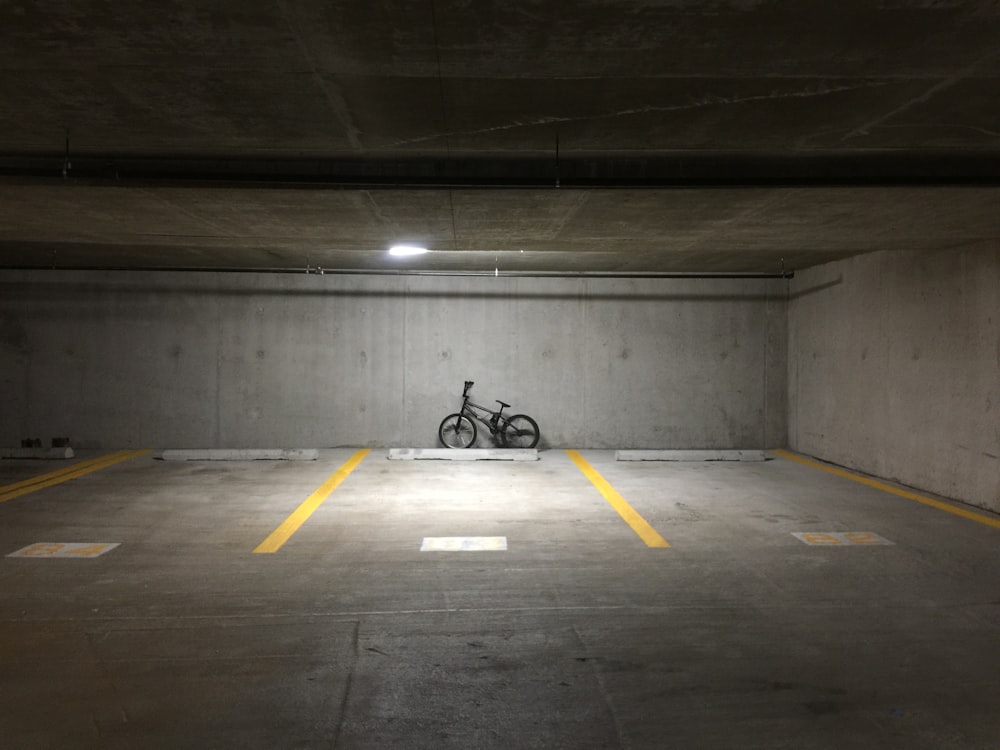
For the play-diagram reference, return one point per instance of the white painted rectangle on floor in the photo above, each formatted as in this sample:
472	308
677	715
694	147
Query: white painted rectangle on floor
464	544
841	538
72	550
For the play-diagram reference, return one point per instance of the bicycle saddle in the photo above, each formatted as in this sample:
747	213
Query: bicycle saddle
502	403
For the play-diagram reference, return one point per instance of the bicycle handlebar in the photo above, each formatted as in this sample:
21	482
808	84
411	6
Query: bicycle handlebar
468	385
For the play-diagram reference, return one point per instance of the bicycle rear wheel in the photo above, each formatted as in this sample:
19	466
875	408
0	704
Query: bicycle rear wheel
521	431
457	431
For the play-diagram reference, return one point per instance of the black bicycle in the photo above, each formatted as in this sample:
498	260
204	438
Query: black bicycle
459	430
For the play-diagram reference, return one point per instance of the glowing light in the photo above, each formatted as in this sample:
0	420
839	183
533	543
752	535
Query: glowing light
407	250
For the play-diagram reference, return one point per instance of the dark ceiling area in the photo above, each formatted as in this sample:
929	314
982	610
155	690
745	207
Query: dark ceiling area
605	137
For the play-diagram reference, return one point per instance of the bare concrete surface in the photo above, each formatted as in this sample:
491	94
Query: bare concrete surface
238	454
142	159
264	361
652	455
738	635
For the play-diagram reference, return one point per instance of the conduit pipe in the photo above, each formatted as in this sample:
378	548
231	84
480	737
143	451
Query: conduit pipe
319	271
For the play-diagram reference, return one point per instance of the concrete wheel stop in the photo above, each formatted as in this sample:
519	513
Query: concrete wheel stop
463	454
32	448
64	452
238	454
697	455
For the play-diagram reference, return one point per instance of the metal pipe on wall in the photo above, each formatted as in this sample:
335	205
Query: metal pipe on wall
319	271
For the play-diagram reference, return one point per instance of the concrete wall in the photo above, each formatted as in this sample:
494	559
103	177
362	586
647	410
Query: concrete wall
894	369
208	360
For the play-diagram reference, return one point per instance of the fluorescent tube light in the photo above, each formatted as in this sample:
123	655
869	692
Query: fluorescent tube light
407	250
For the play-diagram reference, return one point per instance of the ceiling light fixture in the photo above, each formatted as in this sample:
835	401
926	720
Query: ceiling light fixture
407	250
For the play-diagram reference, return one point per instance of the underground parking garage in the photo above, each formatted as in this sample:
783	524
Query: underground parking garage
714	591
739	263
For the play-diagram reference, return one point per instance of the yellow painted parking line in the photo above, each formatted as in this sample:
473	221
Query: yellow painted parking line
940	505
53	474
10	491
301	514
638	524
71	468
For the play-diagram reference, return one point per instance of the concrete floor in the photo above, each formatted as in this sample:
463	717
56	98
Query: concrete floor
738	635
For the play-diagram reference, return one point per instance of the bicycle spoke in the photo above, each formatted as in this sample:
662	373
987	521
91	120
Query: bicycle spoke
457	431
520	431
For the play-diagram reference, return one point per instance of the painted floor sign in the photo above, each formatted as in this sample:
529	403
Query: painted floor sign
834	538
77	550
463	543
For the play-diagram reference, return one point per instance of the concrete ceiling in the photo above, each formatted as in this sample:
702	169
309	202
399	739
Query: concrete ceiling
603	136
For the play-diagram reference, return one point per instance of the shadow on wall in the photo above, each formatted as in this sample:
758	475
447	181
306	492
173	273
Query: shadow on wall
816	288
13	334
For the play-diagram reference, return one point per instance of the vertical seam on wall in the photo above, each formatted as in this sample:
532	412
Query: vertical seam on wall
218	363
28	380
789	330
585	303
880	462
767	347
402	357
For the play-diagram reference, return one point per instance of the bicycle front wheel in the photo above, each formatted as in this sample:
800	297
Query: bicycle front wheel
457	431
521	431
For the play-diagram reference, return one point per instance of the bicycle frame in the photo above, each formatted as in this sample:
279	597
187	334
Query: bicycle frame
494	423
469	409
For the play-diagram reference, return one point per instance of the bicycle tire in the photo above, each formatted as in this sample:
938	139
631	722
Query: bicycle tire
520	431
457	431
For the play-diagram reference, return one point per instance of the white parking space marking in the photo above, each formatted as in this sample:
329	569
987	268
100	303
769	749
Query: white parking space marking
464	544
72	550
841	538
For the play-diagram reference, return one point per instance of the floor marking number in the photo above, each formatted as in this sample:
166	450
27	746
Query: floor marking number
842	538
71	550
